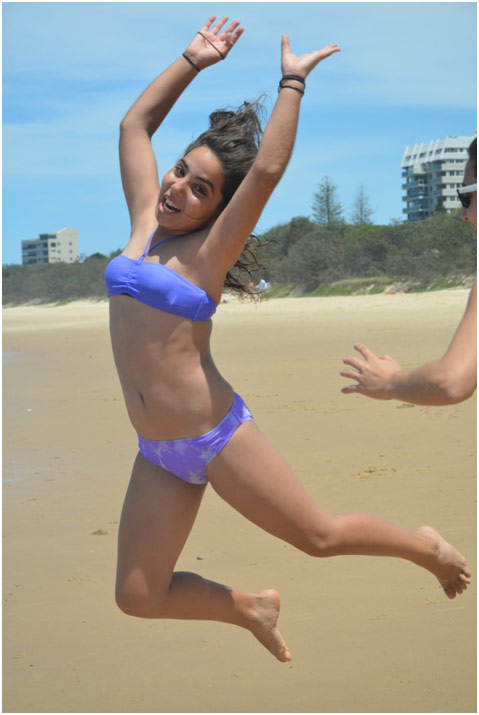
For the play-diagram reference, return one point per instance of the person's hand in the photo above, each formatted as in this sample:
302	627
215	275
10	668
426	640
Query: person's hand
373	375
211	43
302	66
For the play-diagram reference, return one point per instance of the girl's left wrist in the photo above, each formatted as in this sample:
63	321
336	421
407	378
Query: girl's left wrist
292	81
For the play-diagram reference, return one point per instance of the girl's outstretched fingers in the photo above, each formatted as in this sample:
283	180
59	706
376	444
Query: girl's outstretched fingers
219	25
303	64
208	23
229	30
212	43
285	46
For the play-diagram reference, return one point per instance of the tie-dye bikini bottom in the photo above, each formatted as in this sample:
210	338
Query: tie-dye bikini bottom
188	458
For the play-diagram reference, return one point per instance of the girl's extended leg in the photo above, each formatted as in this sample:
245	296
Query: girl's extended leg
251	476
158	514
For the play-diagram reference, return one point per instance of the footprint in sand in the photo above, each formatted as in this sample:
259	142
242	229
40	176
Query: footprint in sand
375	471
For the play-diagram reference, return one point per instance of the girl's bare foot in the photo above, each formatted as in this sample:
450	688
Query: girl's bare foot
450	567
262	619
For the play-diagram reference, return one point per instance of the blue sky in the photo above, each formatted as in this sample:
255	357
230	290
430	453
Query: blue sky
406	74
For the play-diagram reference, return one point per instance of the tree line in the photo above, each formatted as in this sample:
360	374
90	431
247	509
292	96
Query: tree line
319	254
55	282
311	254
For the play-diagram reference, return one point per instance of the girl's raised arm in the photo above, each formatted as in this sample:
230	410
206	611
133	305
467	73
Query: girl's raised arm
137	161
237	221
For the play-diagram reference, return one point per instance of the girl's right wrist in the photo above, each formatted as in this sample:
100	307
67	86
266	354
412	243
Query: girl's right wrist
192	61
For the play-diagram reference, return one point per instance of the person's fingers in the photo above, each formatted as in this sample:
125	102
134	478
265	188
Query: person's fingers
285	48
364	350
329	50
229	30
234	37
351	389
208	23
221	23
354	362
349	374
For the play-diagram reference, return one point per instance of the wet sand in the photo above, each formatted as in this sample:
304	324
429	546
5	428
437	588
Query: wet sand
366	634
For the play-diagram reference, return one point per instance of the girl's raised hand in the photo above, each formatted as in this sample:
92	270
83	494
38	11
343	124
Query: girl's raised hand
302	66
211	44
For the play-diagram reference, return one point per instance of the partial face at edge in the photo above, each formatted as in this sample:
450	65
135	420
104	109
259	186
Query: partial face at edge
470	214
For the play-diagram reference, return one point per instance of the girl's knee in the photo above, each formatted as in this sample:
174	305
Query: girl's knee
324	539
139	603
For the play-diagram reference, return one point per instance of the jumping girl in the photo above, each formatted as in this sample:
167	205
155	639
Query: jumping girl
187	232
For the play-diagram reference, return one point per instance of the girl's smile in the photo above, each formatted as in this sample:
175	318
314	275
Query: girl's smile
190	193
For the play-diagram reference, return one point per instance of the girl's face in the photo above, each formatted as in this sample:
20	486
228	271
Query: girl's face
190	193
470	214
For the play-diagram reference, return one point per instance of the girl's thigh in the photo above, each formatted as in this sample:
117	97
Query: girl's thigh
157	517
251	475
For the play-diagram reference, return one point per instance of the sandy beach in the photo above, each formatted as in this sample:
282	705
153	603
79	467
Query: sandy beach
366	634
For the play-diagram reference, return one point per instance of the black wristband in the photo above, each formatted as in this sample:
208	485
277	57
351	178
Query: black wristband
191	62
290	86
293	76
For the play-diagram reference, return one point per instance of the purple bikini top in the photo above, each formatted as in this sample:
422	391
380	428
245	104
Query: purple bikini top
158	286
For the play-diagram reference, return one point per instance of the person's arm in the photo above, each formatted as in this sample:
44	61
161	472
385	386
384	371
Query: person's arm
446	381
237	221
137	161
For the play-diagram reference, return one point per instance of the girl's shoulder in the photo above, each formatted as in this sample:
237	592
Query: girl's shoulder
139	237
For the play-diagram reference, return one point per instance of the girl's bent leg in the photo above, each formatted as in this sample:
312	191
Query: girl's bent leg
251	476
157	517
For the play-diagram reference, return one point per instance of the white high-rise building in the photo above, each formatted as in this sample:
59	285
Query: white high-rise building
59	247
433	172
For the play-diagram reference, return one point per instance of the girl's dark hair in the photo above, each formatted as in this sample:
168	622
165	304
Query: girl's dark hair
472	150
234	136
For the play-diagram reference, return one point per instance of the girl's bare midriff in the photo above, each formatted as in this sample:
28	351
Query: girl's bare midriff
171	385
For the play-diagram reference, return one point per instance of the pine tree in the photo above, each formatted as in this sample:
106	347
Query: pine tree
362	211
327	209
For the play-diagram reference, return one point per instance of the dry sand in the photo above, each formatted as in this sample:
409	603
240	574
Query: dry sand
366	634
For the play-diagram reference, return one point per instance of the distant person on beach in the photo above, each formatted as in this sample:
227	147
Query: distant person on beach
263	286
446	381
187	232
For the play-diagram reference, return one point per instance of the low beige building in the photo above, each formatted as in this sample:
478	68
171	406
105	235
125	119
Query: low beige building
59	247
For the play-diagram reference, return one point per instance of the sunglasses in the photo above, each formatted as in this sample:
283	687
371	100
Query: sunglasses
465	194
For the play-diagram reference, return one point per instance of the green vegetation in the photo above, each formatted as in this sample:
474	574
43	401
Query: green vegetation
301	258
57	283
354	286
307	258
